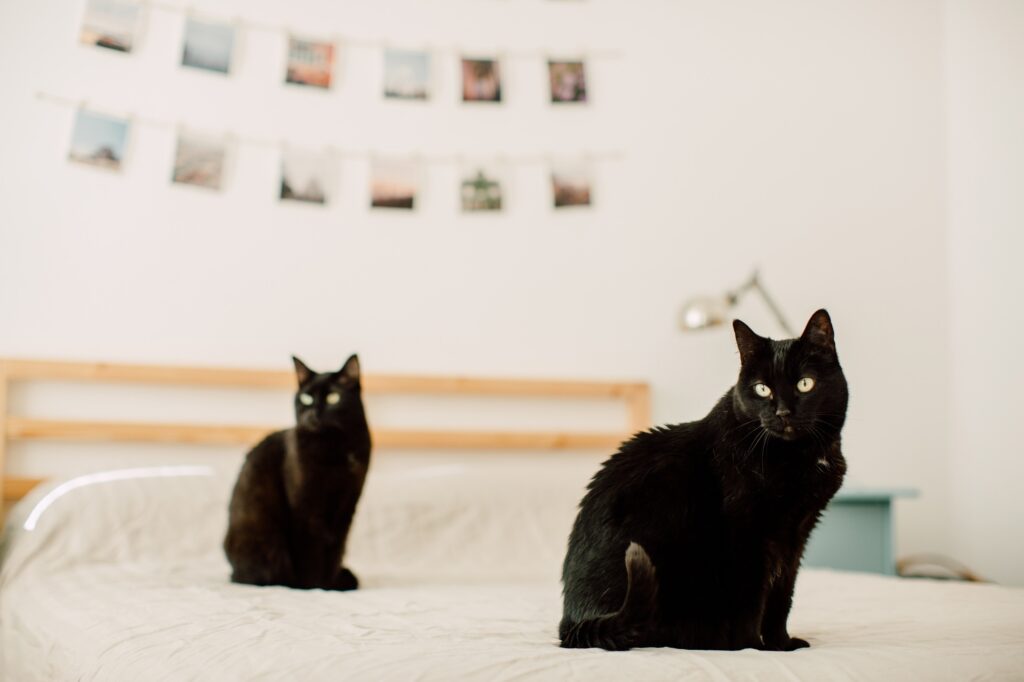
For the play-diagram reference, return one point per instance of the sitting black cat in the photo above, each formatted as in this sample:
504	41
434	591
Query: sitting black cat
712	516
292	506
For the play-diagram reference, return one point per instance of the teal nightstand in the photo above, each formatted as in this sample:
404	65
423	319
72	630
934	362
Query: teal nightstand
856	531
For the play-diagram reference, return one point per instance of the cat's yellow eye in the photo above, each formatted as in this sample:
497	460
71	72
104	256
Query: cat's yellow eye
305	399
762	390
805	384
333	398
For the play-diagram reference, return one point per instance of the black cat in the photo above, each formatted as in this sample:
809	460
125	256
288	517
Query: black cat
292	506
712	516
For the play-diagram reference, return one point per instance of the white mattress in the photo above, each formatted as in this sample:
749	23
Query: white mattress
124	581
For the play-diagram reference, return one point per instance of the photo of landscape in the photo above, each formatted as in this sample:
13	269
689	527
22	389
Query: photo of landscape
394	184
406	74
199	161
305	176
208	45
571	184
98	140
110	24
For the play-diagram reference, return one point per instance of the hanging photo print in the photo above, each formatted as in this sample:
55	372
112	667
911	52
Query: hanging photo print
199	161
568	83
98	140
394	183
310	62
305	176
110	24
571	184
481	80
481	189
208	45
406	75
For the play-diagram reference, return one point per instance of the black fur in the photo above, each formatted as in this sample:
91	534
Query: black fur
715	513
293	503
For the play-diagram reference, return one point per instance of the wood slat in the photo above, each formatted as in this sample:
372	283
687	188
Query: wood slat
498	440
19	428
639	405
499	387
23	370
16	488
41	370
3	418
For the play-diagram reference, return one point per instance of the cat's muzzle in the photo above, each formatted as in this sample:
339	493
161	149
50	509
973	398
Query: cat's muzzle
781	428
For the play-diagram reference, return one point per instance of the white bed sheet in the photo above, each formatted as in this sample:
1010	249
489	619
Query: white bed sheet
155	622
124	580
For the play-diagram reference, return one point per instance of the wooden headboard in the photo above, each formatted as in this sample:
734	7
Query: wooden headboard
634	396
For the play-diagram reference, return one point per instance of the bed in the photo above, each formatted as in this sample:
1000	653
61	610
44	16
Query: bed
118	575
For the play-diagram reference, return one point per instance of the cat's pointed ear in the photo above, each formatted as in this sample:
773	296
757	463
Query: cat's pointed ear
818	331
747	341
302	372
351	369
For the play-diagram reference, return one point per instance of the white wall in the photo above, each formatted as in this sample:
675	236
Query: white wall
985	100
805	137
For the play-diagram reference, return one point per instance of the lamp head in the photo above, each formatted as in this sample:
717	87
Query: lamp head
703	312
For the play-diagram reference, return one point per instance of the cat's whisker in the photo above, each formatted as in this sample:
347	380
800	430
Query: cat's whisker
815	433
749	422
762	437
757	429
764	445
757	435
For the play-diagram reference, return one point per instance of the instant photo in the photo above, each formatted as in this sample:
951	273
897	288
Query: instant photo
481	80
208	45
305	177
310	62
199	161
406	75
568	82
110	24
571	184
481	189
394	184
98	140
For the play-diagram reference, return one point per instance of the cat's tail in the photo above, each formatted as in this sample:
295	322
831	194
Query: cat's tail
622	629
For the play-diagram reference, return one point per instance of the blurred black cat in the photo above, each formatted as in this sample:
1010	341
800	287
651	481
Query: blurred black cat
292	506
712	516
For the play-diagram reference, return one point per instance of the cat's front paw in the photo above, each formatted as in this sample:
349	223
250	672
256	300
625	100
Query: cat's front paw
785	644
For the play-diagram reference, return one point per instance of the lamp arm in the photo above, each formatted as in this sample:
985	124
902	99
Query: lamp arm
736	294
755	283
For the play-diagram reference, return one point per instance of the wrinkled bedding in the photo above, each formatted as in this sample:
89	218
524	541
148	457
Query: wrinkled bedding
124	580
